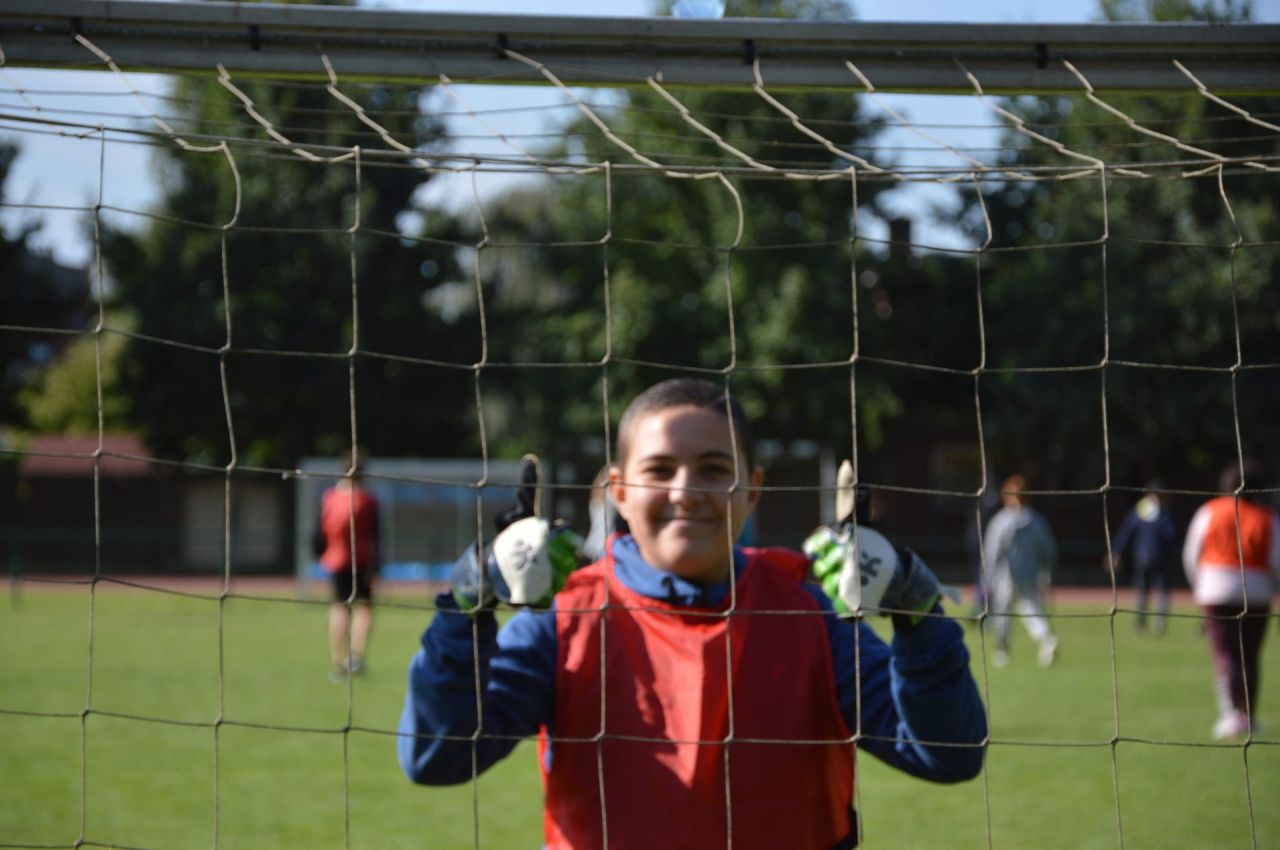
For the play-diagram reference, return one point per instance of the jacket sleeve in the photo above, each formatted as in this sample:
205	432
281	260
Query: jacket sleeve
1194	543
1273	557
375	531
993	550
914	704
1049	545
1168	541
464	662
1124	535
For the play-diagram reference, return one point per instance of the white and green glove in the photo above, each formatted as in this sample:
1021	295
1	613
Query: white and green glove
528	560
861	571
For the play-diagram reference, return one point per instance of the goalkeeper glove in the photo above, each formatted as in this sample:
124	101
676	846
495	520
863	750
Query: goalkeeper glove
528	560
860	570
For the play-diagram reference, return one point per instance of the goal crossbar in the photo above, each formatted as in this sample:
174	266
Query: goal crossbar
418	46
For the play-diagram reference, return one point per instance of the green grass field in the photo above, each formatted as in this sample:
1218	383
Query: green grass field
148	766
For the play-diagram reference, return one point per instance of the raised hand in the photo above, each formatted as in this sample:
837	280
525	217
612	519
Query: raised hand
860	569
529	559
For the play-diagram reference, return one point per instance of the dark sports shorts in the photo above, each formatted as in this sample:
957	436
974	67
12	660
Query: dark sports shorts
342	585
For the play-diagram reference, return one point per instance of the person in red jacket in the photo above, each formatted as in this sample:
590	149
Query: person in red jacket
347	540
688	693
1232	559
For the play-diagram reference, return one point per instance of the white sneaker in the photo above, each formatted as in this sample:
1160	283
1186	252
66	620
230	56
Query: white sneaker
1048	651
1000	658
1230	725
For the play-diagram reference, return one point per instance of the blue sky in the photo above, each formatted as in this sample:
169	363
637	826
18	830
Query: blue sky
56	171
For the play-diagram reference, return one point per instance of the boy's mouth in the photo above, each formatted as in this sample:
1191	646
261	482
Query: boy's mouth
692	521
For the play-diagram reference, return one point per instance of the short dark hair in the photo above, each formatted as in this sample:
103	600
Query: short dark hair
352	460
687	392
1230	480
1015	485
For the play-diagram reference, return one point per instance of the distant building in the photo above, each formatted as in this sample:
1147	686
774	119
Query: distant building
72	509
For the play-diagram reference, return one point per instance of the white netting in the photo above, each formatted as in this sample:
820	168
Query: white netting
553	313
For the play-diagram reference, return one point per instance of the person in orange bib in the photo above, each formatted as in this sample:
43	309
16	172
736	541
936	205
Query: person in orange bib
687	692
1232	559
348	550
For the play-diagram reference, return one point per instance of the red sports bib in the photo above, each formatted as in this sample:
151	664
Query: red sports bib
655	752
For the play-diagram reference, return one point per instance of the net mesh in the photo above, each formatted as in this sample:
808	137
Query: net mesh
509	338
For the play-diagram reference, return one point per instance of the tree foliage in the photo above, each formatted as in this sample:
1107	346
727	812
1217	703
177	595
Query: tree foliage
63	397
1111	305
270	291
751	274
40	300
1221	11
1138	291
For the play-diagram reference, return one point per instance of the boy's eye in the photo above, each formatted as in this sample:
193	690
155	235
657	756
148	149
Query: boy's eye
657	471
718	470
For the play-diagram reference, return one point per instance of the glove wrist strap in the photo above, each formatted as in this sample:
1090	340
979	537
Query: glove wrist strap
468	583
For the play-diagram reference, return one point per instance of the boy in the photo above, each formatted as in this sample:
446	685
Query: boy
688	693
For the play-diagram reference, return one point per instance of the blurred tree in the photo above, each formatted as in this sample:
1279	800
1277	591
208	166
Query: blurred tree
39	300
37	297
311	268
62	397
1161	276
686	292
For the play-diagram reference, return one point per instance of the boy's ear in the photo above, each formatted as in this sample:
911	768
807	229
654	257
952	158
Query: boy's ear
757	481
618	490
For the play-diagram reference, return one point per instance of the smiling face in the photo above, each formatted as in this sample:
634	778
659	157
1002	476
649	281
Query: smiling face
675	488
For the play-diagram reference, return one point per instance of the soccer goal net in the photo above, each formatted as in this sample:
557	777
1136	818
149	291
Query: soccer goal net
242	243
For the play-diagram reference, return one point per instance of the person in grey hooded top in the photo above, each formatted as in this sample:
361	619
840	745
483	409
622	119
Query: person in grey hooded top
1020	554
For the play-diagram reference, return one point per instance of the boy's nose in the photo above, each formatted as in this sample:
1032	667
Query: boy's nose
681	492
